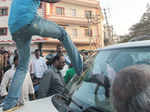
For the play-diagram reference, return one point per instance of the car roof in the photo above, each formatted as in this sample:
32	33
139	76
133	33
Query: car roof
138	38
144	43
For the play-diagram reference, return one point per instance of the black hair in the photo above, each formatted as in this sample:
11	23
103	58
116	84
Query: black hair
15	58
36	50
5	52
57	57
59	45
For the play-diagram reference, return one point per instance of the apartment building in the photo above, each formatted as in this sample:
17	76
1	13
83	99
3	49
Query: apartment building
82	19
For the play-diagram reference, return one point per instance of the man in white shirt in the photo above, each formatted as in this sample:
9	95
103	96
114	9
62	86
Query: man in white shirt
38	65
27	88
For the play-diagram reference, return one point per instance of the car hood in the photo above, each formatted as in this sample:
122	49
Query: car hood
40	105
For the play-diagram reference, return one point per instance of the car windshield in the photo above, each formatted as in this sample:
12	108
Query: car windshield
107	62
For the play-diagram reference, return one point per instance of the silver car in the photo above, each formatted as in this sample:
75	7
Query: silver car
85	95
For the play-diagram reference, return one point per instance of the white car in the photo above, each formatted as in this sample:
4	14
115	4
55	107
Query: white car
89	96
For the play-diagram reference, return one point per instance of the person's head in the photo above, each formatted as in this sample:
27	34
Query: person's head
37	53
59	61
15	52
59	48
6	54
16	61
49	58
2	48
131	89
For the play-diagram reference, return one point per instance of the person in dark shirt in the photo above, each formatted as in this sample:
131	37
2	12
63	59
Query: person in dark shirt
52	82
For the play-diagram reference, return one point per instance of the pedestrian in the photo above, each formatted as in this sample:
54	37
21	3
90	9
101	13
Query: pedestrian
1	66
27	88
7	64
23	23
69	74
59	48
37	68
38	65
49	61
15	53
131	89
52	82
2	50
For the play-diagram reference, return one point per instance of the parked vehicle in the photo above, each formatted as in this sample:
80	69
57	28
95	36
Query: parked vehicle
139	38
82	95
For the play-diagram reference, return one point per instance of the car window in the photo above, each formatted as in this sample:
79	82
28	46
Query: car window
88	97
108	63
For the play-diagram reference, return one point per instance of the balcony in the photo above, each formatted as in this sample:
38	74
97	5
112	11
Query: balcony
87	3
64	20
77	40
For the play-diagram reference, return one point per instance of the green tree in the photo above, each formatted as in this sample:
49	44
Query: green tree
143	26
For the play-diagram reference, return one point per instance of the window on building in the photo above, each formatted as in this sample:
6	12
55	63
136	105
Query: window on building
88	32
88	14
3	31
3	11
74	32
73	12
60	11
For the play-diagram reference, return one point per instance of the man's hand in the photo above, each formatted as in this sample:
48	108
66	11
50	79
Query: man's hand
51	1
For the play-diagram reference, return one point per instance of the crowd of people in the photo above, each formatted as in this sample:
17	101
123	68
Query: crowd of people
46	75
6	60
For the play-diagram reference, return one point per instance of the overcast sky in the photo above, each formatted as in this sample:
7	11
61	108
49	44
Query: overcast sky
123	14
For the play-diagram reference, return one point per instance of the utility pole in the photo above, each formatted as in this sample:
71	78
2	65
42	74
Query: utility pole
108	28
89	18
92	20
106	19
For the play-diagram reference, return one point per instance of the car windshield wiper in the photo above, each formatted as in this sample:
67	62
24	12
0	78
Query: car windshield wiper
69	98
95	109
62	102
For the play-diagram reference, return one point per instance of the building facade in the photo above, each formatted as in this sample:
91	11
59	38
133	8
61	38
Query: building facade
5	36
82	19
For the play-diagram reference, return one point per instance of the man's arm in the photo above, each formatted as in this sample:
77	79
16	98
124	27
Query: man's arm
57	85
4	83
31	89
51	1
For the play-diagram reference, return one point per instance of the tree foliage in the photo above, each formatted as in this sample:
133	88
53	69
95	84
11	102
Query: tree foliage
143	26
